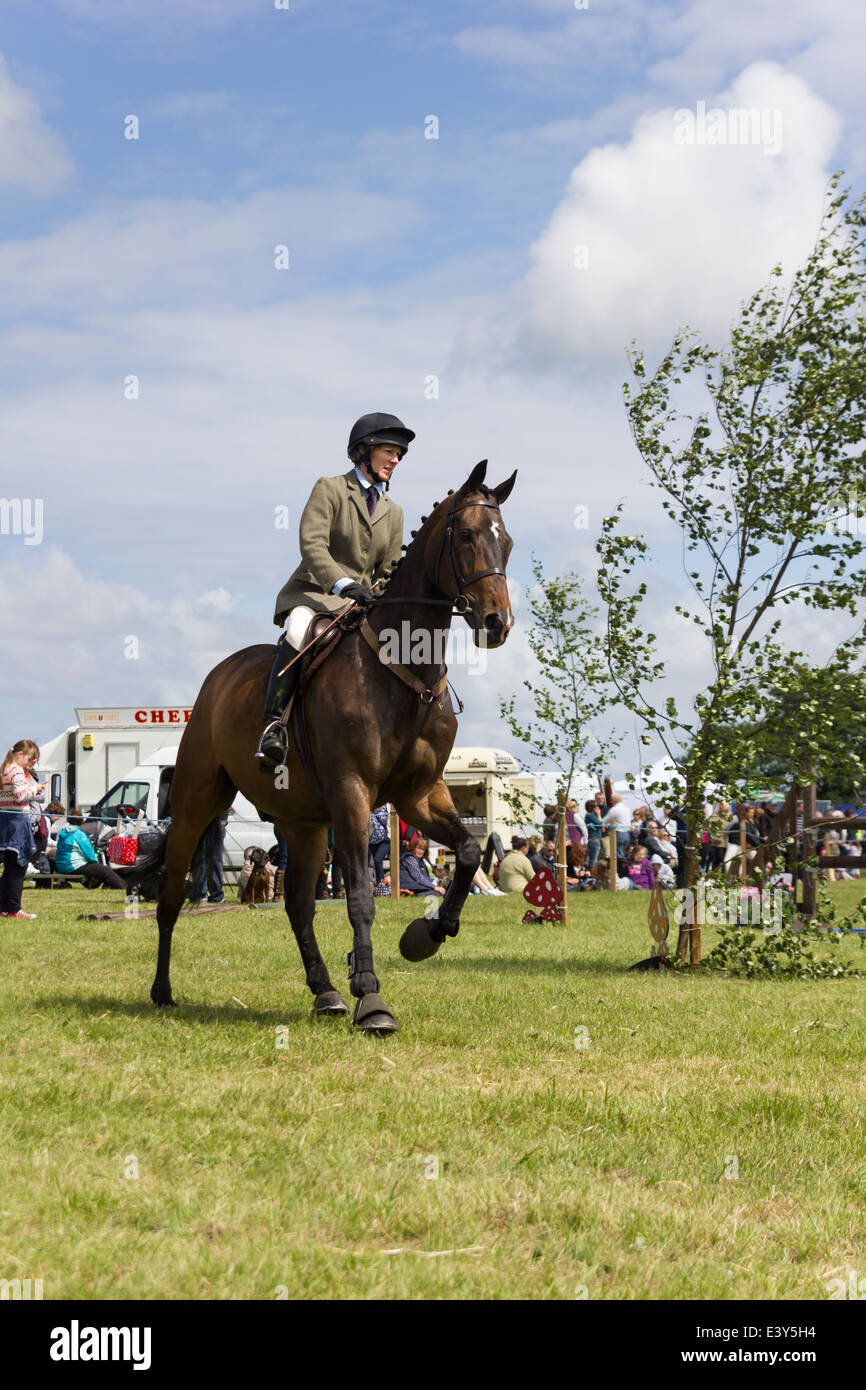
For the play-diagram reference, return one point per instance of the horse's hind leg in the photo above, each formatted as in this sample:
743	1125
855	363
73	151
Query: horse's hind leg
306	855
190	815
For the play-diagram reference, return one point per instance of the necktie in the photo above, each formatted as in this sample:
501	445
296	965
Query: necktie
372	499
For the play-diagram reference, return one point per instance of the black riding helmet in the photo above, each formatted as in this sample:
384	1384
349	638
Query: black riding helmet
377	428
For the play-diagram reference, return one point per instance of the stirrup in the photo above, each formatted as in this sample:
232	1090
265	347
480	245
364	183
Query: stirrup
276	736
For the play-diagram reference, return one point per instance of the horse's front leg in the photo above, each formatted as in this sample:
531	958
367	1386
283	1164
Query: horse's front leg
437	816
352	845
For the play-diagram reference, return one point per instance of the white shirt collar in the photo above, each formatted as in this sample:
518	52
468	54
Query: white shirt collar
365	482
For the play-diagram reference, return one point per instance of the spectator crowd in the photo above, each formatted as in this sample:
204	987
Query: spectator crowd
41	839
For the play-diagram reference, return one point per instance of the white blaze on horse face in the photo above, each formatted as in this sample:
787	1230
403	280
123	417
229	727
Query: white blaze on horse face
494	526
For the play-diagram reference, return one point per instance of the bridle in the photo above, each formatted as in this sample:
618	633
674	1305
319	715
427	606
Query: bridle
460	581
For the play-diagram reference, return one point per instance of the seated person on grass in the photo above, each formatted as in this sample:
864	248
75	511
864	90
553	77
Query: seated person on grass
640	871
76	855
412	875
515	871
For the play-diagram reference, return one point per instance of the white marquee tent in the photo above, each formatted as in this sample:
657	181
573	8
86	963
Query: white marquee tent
661	772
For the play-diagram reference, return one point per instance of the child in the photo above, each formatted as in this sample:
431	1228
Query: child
640	870
601	870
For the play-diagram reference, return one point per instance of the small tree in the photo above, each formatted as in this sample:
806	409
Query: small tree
572	685
752	491
820	722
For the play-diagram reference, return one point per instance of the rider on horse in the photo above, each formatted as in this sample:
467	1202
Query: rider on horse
350	536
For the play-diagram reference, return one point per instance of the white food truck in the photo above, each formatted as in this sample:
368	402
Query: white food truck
92	755
476	778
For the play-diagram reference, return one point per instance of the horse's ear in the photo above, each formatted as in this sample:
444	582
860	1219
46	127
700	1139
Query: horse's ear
476	478
503	490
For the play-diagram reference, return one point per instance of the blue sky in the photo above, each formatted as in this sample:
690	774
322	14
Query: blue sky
409	257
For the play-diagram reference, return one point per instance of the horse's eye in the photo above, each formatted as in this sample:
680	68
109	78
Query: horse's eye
465	536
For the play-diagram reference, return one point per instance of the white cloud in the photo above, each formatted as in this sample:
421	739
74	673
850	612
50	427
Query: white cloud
581	41
187	250
53	606
682	52
677	233
706	42
32	155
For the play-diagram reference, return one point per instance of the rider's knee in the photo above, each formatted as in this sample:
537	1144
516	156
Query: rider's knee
296	625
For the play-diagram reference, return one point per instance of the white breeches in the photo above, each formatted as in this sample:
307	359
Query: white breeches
296	625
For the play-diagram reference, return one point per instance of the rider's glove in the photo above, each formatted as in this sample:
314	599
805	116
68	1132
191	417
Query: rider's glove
358	593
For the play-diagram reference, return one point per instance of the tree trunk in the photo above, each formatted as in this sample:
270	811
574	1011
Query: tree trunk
690	932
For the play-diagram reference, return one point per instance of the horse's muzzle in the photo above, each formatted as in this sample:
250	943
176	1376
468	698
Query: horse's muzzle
497	625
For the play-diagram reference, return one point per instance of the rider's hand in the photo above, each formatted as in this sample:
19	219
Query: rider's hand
358	593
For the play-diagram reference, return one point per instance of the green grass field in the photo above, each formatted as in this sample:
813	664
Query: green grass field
707	1142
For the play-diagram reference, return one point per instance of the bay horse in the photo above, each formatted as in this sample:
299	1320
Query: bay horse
373	738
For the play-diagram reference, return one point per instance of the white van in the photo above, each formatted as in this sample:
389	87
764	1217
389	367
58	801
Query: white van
147	788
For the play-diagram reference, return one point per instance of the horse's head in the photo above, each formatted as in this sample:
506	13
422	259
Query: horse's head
471	549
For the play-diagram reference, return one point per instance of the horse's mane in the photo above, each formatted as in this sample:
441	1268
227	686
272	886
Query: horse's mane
418	535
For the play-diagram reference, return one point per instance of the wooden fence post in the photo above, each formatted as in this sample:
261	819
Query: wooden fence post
810	847
611	859
561	855
744	863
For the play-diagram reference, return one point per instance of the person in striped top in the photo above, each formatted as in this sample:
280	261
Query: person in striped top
18	788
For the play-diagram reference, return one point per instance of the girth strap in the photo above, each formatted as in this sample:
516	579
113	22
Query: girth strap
426	694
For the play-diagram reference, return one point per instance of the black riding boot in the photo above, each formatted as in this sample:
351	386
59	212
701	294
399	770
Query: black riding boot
273	745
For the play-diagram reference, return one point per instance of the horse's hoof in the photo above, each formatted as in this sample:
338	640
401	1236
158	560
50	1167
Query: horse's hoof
372	1015
161	1000
330	1003
416	943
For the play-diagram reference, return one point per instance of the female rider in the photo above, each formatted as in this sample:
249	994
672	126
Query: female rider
350	536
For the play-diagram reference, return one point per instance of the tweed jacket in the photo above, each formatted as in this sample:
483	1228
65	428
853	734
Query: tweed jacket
338	537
